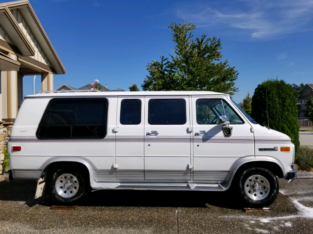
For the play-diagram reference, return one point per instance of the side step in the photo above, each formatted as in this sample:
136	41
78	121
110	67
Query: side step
163	186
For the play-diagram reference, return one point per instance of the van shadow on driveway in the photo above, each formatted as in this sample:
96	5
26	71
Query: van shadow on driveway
24	190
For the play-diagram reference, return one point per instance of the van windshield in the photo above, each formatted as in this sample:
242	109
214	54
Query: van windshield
245	113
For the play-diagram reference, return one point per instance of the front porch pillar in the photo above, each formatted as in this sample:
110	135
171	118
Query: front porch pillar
12	96
47	82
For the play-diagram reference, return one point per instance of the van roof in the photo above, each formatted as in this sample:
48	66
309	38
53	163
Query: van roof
133	93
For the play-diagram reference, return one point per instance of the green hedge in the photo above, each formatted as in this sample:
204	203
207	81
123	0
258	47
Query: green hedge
6	164
275	100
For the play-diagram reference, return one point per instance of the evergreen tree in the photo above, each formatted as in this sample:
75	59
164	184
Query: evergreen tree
246	104
133	88
196	65
274	102
298	89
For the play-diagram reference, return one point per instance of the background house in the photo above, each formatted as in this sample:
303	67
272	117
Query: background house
86	87
25	49
302	99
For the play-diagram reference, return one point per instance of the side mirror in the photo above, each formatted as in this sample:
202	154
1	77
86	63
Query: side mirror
224	122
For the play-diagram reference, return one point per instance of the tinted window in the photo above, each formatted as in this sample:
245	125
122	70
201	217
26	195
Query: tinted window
130	111
209	110
74	119
167	111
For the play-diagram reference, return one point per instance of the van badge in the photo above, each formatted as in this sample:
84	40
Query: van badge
268	149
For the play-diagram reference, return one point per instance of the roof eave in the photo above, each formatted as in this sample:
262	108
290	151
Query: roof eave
16	35
51	54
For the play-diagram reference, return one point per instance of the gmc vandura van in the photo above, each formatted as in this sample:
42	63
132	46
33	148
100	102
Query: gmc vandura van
198	141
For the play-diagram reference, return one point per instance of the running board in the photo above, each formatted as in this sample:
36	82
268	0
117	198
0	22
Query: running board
163	186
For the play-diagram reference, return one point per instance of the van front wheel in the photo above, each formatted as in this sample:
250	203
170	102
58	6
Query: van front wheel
67	186
258	187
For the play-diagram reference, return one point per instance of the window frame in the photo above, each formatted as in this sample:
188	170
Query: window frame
186	111
73	98
125	99
222	100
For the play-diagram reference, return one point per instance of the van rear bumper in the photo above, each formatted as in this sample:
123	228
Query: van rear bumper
291	175
26	174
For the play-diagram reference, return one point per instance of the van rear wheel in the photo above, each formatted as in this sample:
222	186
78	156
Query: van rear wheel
258	187
67	186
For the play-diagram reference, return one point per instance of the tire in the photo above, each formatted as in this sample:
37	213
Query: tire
258	187
67	186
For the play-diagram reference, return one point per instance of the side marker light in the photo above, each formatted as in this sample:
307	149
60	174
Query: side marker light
285	149
16	148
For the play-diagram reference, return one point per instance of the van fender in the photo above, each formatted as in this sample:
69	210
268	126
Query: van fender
90	166
244	160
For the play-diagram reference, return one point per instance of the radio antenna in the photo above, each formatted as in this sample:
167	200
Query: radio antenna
268	120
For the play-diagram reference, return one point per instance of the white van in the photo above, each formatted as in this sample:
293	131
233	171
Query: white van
199	141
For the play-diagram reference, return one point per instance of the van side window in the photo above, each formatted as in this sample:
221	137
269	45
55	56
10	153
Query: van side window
209	110
167	111
74	118
130	111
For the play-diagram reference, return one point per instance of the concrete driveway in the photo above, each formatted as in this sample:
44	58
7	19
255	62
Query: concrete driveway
155	212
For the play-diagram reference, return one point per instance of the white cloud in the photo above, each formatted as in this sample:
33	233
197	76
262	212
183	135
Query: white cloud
257	18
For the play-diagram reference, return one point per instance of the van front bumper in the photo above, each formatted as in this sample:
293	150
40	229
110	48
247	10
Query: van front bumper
291	175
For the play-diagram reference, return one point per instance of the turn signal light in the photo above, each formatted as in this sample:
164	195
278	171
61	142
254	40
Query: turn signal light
16	148
286	149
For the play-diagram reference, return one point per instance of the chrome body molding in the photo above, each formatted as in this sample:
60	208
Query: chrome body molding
241	161
212	177
26	174
161	186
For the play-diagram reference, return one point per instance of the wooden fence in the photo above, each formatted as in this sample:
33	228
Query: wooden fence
305	123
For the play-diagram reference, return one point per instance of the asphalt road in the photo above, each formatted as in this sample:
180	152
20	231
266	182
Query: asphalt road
306	138
155	212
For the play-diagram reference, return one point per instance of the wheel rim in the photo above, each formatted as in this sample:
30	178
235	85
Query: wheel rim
257	187
67	185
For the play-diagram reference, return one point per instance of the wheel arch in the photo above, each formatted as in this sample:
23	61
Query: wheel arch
268	162
61	162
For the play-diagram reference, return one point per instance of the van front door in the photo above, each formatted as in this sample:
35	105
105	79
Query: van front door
130	139
167	138
214	153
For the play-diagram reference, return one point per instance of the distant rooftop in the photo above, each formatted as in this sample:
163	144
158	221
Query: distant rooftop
86	87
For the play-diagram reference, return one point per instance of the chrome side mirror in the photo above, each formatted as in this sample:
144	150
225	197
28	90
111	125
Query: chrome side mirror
224	122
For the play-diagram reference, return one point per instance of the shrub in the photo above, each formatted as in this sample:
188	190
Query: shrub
305	158
6	164
275	100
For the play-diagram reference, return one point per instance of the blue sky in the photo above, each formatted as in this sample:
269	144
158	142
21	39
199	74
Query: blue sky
114	40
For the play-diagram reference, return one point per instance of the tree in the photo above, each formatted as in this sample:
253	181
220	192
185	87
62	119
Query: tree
274	103
246	104
309	108
133	88
297	89
196	65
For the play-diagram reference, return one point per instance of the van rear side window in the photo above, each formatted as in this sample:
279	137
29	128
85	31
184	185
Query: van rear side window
74	118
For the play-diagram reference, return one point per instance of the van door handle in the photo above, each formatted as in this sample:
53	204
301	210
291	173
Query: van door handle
115	130
152	133
201	132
